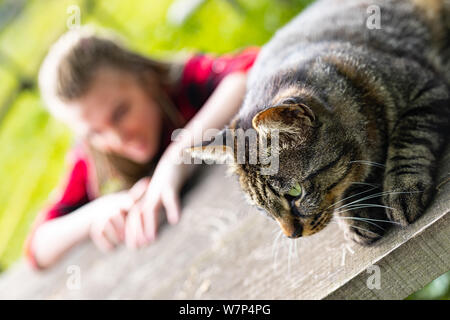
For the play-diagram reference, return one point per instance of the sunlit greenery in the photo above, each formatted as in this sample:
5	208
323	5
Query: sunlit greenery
33	145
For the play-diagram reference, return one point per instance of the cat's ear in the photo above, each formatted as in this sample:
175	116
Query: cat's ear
214	150
288	118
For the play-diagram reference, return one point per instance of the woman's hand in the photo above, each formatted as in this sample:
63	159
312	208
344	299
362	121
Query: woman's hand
169	175
162	192
107	229
108	221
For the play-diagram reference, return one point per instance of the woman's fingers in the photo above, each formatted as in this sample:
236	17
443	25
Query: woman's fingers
103	244
130	230
101	241
110	233
139	188
134	229
151	208
171	203
118	222
143	219
150	213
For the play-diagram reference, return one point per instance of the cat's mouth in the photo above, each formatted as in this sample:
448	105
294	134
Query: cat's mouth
295	227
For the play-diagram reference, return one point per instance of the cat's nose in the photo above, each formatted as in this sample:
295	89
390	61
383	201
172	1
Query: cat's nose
290	227
296	234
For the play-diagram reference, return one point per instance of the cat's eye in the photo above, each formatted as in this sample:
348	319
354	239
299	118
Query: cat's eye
295	191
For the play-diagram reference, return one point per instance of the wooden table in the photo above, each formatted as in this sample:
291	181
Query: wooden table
223	249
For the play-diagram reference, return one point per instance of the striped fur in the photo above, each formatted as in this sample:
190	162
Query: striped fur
381	105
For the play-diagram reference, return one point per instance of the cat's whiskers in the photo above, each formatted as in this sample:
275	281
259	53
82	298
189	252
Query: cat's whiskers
359	228
362	206
369	163
368	205
371	219
355	202
275	249
361	219
293	254
292	248
364	229
367	219
373	185
289	246
289	259
376	195
365	198
349	197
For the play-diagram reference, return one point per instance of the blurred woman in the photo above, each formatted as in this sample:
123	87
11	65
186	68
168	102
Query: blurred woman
123	108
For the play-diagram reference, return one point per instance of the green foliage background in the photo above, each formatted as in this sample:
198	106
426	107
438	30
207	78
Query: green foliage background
33	145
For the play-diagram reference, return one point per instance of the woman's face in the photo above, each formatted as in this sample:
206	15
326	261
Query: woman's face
117	115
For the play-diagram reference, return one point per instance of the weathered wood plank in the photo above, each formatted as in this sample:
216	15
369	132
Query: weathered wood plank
411	266
223	249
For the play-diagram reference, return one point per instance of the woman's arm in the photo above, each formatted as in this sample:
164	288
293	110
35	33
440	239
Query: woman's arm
103	219
217	112
54	237
169	177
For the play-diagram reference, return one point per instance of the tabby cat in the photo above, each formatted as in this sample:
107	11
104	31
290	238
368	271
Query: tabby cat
362	111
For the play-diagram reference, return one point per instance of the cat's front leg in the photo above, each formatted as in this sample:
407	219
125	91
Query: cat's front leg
415	145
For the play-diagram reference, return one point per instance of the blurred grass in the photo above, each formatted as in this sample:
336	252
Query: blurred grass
33	145
438	289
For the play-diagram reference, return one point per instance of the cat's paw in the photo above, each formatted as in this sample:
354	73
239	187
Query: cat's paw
407	205
365	237
363	232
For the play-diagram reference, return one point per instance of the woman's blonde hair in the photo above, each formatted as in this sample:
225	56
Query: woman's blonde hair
69	68
67	73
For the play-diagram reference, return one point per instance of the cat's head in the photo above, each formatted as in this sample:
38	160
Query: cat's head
313	155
